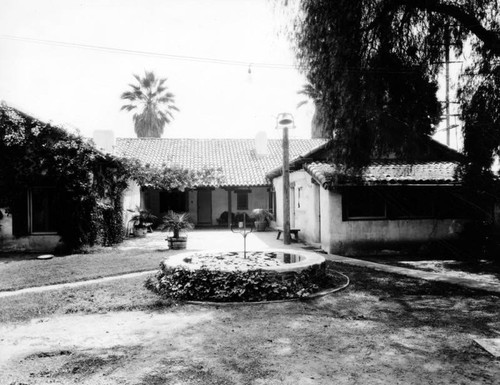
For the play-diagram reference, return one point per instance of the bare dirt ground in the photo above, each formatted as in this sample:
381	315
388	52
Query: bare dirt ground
382	330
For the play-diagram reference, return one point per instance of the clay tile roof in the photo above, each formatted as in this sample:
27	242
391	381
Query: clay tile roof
235	157
387	172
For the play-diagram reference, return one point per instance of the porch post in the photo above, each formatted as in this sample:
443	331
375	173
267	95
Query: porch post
229	206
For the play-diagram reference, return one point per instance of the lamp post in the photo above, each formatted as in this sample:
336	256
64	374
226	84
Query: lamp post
285	121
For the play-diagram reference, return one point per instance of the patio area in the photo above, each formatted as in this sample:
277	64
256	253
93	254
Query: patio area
212	239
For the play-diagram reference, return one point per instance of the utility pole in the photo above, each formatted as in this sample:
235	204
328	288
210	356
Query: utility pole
286	188
285	121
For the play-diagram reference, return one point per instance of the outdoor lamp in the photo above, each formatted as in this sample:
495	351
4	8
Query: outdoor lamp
285	121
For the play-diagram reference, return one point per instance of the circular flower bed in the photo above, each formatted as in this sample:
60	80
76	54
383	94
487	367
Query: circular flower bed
229	277
280	260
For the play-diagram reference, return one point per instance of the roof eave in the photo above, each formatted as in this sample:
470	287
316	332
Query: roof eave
294	163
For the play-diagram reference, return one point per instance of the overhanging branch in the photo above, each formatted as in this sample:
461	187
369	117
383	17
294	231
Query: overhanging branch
491	39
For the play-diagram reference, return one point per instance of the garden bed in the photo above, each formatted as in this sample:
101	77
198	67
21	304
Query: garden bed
234	277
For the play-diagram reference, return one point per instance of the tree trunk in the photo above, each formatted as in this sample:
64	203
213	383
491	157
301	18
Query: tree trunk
318	129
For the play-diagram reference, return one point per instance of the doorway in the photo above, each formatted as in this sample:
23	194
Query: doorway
174	200
204	207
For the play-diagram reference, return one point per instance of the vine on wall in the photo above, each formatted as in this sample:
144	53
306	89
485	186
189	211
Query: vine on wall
174	177
88	184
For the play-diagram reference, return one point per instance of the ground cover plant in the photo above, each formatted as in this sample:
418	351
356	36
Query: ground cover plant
238	286
383	328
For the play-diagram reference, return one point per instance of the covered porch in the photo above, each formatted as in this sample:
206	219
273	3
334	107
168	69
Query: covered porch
221	239
207	207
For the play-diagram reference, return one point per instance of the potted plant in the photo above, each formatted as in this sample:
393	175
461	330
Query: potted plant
141	221
175	222
262	218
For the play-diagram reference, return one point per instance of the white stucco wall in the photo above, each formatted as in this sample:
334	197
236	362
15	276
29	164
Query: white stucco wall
365	236
131	200
350	237
304	209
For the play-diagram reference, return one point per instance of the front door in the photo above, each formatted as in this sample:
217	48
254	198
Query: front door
204	207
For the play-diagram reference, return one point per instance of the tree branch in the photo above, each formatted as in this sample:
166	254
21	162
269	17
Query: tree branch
491	39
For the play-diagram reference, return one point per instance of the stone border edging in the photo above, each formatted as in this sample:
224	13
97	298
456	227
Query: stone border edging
310	259
312	296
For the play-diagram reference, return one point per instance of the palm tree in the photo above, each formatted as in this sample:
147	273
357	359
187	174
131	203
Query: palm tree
153	105
318	126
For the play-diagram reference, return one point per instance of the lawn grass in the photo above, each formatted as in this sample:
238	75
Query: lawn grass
22	273
116	295
384	328
367	287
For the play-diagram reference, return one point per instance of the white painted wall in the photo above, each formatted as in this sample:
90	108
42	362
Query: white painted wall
361	236
303	205
349	237
131	200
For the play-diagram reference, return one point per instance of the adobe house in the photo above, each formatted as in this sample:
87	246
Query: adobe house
243	164
395	205
53	186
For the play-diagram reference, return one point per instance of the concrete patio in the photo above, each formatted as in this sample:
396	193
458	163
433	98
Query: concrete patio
212	239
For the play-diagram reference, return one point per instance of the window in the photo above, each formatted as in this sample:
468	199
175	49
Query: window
458	204
42	206
242	200
363	204
372	203
272	201
412	202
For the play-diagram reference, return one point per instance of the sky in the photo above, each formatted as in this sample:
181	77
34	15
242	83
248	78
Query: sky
227	62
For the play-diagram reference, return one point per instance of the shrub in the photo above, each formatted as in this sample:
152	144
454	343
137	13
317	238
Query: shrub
235	286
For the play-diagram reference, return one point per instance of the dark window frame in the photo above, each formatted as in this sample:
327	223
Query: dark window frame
444	202
32	212
242	200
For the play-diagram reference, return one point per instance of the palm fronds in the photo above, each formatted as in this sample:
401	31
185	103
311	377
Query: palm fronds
153	102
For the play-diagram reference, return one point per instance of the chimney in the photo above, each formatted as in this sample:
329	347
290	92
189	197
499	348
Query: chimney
261	145
104	140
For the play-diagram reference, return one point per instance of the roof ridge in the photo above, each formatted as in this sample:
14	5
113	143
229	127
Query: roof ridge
225	139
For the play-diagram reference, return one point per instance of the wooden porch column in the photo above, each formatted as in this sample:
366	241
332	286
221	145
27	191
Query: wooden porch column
229	206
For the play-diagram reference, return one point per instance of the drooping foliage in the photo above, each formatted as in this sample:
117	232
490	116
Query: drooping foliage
174	177
87	183
152	104
373	66
481	113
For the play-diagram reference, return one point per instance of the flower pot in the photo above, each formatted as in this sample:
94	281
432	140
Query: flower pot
140	231
177	243
260	225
